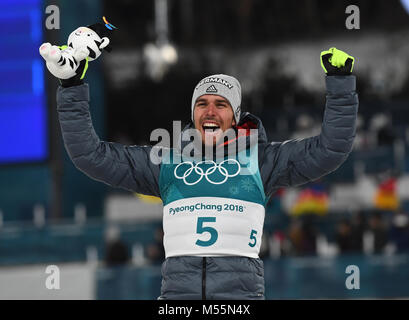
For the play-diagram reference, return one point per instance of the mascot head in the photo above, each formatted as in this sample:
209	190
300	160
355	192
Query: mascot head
93	37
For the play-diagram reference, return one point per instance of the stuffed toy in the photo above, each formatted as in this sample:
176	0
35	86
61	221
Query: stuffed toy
84	44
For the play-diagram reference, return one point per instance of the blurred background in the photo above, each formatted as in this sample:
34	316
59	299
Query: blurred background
106	242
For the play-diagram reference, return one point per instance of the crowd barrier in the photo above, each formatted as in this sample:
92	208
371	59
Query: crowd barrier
285	278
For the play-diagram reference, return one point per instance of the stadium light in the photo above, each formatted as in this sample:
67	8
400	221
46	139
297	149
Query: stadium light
159	56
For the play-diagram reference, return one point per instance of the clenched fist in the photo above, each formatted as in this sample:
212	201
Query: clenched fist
336	62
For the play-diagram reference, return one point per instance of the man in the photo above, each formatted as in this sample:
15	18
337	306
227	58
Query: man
214	208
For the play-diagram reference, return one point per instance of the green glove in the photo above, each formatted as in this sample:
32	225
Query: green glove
336	62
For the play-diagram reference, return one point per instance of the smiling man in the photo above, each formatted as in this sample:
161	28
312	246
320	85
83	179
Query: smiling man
213	116
213	213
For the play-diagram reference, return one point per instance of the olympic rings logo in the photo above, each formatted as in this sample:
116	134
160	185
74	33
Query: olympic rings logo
209	171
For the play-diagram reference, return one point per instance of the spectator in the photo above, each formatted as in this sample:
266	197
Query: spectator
386	136
399	233
302	235
381	125
279	244
378	229
310	234
155	251
295	236
357	232
116	251
344	237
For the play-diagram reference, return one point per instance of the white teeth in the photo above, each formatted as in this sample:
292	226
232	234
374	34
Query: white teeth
208	124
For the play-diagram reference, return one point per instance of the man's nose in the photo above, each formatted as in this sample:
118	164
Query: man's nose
211	109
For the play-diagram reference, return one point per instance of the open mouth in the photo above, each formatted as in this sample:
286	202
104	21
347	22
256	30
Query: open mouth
210	126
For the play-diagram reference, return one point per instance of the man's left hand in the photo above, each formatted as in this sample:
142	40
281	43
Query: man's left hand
336	62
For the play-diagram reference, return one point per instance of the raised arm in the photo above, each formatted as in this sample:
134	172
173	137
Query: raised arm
127	167
295	162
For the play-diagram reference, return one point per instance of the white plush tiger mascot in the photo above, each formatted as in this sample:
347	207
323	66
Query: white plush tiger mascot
83	43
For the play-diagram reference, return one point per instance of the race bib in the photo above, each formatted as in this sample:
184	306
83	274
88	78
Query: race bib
211	226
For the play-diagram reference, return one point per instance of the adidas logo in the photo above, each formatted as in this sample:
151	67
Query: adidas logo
211	89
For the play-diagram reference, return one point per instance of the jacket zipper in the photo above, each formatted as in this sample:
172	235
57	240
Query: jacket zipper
204	278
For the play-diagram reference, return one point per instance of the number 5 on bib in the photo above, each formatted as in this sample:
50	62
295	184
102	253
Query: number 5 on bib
201	229
253	237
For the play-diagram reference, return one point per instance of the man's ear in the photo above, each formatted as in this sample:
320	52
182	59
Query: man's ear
104	43
233	123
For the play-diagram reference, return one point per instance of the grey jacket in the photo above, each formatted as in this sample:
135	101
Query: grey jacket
281	164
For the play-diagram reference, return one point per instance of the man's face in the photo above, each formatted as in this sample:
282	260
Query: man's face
212	116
